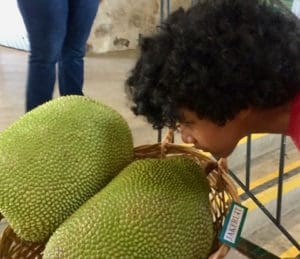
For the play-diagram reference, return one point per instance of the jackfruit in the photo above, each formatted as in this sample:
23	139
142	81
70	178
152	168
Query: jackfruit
155	208
54	158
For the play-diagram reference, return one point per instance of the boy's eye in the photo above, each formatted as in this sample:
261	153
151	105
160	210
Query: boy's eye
184	124
187	123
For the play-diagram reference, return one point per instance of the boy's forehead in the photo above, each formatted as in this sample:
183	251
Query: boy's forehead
184	114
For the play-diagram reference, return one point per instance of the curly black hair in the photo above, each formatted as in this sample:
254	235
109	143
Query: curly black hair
216	59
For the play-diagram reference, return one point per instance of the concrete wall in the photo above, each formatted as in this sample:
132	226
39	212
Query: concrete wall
119	23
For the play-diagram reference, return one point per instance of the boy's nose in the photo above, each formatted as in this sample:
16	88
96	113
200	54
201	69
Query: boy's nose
187	138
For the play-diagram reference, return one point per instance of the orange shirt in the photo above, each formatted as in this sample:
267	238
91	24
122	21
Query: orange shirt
294	124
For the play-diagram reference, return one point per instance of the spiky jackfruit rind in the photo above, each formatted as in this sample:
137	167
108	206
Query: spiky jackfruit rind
155	208
56	157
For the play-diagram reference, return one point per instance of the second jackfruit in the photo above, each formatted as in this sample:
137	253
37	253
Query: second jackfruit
155	208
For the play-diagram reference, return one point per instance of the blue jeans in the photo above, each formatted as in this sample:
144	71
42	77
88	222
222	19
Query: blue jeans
57	31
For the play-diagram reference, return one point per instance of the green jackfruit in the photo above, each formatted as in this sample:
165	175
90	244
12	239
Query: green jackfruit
155	208
56	157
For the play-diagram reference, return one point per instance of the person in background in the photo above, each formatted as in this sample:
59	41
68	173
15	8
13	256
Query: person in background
220	71
58	31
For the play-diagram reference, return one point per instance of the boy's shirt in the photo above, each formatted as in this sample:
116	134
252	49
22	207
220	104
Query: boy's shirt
294	124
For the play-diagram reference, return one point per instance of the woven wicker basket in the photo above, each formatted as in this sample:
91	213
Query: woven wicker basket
223	192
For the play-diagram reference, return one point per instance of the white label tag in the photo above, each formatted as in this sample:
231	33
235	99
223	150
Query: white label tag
233	224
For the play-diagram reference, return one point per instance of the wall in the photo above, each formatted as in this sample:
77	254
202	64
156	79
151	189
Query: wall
12	29
119	23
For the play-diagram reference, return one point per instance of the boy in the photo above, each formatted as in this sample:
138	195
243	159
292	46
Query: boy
219	71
